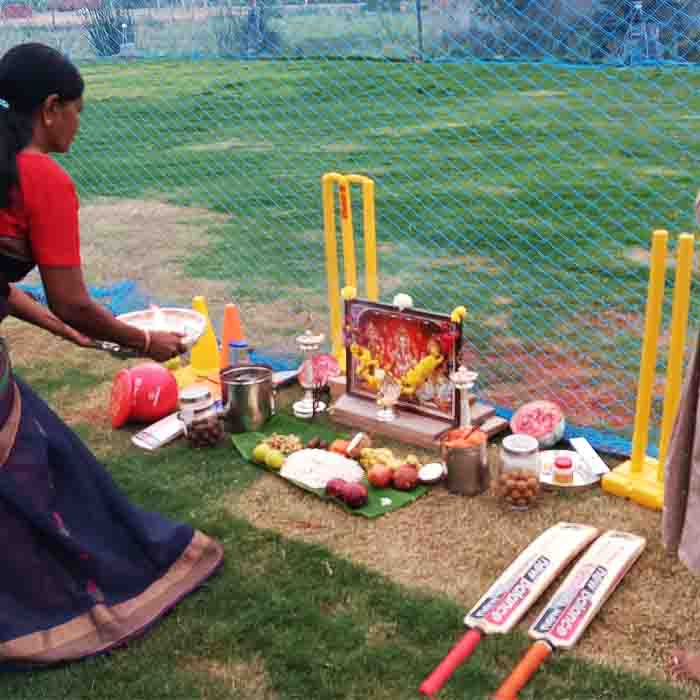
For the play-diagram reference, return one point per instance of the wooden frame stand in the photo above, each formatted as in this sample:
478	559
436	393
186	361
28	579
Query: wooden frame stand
409	428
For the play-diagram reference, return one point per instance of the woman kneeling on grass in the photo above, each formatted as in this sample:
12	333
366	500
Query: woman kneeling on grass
83	570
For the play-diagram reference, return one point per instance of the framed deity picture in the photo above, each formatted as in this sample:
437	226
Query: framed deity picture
416	349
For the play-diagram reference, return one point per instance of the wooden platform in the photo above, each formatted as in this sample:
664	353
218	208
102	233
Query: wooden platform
408	427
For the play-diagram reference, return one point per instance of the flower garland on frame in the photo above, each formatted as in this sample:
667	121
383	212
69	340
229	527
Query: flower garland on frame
439	347
367	365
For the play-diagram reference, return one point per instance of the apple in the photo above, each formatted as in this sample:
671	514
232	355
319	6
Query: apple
355	495
380	476
336	488
406	478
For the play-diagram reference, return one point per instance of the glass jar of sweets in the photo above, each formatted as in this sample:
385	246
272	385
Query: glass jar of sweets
199	414
519	471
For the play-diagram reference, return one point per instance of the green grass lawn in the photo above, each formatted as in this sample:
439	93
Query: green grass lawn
517	190
317	625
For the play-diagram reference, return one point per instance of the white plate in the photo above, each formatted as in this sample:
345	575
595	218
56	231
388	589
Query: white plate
189	322
583	476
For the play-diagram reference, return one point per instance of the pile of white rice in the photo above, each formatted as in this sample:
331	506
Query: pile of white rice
315	468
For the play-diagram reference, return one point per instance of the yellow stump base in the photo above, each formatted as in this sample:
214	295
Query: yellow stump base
185	376
642	487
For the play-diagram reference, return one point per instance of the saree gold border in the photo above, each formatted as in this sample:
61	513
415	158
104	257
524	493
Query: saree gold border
8	433
104	627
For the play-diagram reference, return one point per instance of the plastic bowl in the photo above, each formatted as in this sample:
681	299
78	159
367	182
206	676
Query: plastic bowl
189	322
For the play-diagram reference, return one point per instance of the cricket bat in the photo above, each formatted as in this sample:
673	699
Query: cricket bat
576	602
510	597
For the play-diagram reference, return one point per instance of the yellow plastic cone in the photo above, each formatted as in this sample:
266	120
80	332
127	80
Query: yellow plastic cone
205	353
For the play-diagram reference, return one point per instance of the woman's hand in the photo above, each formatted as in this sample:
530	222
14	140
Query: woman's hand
77	337
165	345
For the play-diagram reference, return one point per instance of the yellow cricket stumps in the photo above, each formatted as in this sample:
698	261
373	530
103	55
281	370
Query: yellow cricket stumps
329	181
641	478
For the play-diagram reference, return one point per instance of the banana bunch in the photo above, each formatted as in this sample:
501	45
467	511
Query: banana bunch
369	456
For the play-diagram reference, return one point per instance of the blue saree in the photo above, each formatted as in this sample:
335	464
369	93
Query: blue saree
83	569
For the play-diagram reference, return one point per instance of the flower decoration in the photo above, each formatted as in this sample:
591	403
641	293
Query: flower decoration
348	293
458	314
367	365
416	377
403	301
324	367
447	337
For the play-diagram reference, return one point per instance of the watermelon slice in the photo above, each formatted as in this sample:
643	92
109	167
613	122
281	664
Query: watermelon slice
542	420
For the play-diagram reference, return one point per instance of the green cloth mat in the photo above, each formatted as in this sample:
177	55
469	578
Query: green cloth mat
284	424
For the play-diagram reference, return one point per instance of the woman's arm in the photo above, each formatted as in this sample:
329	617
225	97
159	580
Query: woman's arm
51	202
24	307
69	300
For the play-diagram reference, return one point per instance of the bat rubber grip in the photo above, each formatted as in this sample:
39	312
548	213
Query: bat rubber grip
524	671
459	653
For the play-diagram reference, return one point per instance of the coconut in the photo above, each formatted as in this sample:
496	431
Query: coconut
431	473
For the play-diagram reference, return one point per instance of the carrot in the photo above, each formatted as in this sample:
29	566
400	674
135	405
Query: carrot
463	439
339	446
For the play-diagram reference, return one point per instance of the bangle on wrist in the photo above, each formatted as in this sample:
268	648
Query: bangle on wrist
146	341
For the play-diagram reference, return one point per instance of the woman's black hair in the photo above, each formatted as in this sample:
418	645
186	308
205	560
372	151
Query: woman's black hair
29	73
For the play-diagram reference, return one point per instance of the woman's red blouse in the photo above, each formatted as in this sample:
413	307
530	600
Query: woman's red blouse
43	217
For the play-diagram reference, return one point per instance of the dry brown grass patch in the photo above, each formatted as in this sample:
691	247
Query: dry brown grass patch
498	321
151	239
230	145
247	680
32	347
147	242
642	256
277	324
470	263
379	633
468	542
342	147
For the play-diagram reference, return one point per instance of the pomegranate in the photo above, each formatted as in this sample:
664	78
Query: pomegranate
355	495
335	488
406	478
380	476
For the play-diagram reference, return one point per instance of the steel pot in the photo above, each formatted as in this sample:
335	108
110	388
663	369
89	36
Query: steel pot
467	469
248	397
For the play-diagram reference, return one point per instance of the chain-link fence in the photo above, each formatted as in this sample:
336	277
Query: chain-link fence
522	150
